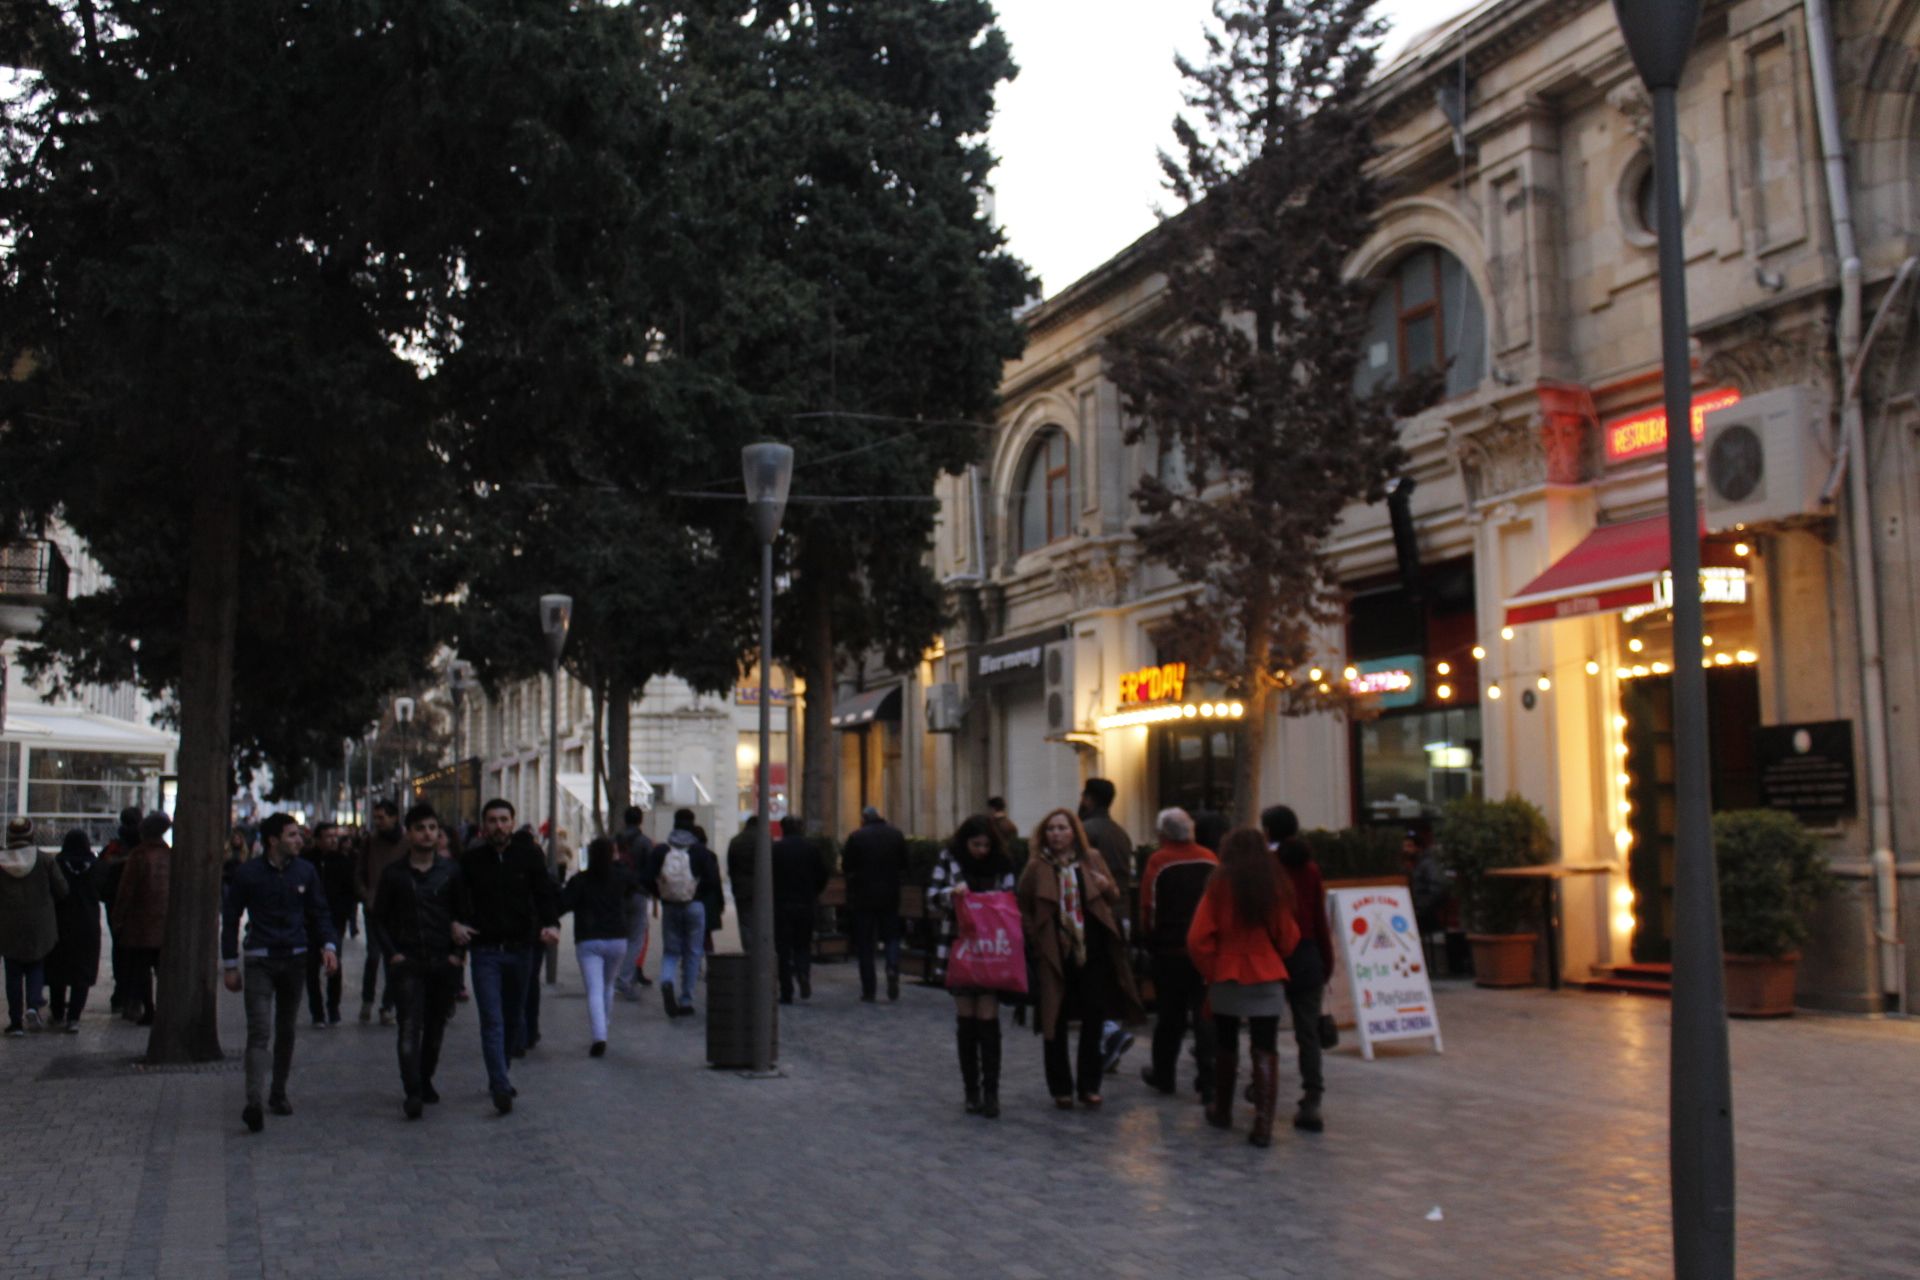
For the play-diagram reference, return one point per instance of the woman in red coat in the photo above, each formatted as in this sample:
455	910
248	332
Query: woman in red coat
1240	939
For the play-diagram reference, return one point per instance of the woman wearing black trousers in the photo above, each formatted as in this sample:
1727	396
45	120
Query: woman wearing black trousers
1067	907
74	964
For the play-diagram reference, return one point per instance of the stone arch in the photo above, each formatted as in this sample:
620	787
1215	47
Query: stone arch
1409	225
1047	411
1879	75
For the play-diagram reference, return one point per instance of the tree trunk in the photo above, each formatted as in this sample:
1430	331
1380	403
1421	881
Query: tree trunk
186	1024
599	761
1248	762
619	748
819	788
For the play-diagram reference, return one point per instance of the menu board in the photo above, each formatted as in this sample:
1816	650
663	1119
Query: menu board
1386	965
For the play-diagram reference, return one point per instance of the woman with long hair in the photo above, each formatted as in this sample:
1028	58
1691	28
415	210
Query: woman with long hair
1240	939
598	898
1068	906
974	861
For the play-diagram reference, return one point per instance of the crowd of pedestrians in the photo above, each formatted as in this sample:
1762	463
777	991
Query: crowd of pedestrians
1228	927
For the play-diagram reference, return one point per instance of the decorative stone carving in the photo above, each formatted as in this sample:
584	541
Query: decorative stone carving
1500	457
1097	576
1569	434
1630	99
1755	354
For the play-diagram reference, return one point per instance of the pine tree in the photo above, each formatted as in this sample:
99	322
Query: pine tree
1248	374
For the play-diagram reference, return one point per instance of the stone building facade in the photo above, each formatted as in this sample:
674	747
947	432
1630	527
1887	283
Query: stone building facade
1530	652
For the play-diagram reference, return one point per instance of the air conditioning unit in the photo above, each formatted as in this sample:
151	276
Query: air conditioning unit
946	708
1763	460
1059	671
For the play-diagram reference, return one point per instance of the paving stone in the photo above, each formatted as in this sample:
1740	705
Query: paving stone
1541	1134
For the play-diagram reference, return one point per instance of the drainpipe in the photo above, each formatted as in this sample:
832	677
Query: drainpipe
1820	57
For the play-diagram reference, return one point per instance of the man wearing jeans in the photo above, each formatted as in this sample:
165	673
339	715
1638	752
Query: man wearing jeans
423	964
286	912
685	875
631	848
503	903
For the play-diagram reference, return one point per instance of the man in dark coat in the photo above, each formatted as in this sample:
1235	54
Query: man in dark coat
1116	847
336	869
875	860
799	875
740	855
106	881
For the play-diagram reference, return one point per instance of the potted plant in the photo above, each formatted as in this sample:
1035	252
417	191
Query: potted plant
1477	836
1772	874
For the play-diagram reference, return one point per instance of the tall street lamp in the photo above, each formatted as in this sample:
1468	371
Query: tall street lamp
403	716
460	682
371	736
556	614
1659	35
768	470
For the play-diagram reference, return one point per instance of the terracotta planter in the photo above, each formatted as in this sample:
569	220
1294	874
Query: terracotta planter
1502	959
1760	986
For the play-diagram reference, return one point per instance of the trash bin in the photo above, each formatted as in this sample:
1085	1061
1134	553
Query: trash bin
730	1013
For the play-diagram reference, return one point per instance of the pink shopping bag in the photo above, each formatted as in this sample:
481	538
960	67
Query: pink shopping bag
989	951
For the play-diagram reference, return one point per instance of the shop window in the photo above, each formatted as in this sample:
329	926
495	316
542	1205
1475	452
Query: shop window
9	779
1409	765
1046	491
1425	315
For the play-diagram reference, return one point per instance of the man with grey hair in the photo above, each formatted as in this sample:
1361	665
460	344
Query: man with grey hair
1170	890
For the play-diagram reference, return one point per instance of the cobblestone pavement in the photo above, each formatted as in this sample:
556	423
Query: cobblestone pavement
1539	1136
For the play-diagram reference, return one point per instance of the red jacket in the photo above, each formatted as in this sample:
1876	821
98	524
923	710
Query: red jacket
1225	950
1310	908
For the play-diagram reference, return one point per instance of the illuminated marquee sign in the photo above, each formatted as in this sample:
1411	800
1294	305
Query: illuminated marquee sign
1717	586
1390	682
1164	683
1646	433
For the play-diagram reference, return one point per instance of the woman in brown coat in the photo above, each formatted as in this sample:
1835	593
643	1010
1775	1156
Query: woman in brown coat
1068	907
140	913
30	884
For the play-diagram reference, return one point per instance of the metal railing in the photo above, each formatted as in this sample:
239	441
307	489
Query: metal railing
33	567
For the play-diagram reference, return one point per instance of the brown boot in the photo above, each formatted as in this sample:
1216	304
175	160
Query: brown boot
1226	1070
1266	1088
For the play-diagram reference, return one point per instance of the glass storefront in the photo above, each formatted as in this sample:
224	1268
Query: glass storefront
1408	765
1194	765
69	789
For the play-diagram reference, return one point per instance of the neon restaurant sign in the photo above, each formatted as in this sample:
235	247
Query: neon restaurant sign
1643	434
1164	683
1157	695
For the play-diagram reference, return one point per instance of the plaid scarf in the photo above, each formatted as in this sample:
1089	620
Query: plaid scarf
1073	915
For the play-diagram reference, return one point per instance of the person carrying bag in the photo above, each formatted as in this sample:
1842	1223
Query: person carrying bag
984	950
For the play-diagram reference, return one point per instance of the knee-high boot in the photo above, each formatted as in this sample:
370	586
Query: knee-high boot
988	1031
1266	1087
1226	1071
967	1036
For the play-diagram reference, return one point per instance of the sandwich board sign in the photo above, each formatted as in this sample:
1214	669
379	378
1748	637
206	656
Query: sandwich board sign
1386	965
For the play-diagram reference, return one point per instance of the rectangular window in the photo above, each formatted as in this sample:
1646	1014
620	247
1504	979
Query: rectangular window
85	790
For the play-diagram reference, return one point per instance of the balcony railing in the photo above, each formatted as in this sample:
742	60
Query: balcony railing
32	569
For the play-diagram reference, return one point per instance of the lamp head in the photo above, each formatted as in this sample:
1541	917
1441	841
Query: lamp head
556	615
460	676
1659	36
768	470
403	710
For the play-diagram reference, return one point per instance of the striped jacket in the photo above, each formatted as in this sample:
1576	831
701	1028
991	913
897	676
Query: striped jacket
947	873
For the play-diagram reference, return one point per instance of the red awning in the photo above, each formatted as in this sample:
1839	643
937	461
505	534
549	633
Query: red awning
1617	566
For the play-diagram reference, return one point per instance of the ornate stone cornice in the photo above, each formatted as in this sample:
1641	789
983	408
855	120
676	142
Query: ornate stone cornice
1098	574
1762	349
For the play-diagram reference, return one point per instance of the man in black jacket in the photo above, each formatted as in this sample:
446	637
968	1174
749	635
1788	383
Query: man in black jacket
423	965
503	902
287	914
875	859
798	877
335	866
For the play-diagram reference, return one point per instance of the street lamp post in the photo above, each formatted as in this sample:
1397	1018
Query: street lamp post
346	776
403	716
460	682
1659	35
371	736
556	614
769	470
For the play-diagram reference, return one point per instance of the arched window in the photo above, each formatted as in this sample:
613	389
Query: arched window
1046	491
1426	315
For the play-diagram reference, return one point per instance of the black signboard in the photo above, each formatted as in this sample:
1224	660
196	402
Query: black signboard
1807	770
1016	660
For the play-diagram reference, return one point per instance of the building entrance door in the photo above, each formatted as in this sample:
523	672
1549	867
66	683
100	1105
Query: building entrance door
1733	717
